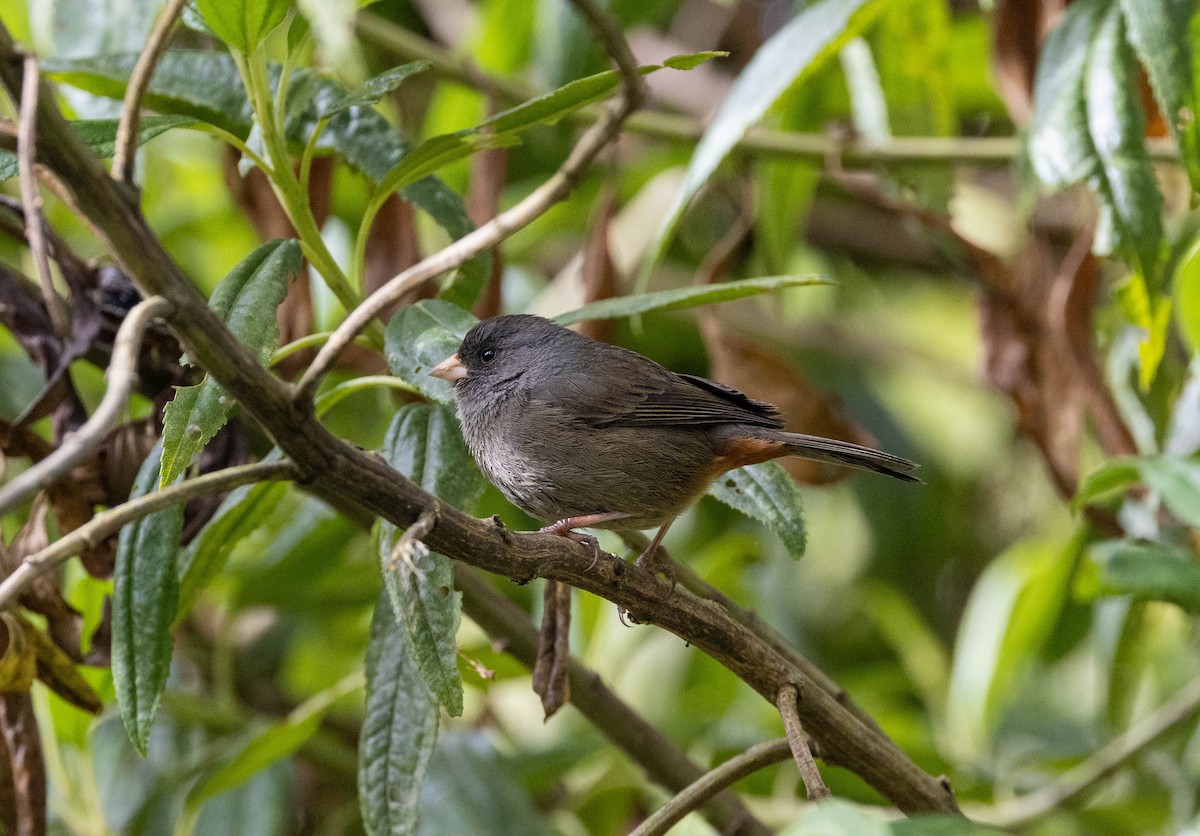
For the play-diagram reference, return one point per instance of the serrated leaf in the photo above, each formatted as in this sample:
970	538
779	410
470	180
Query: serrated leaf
788	56
503	128
1145	571
399	730
1088	125
684	297
421	336
1155	30
243	24
373	89
101	137
274	743
145	597
245	300
242	512
1113	475
764	492
1177	482
424	444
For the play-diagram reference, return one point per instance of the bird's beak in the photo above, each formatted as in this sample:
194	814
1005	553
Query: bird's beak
451	369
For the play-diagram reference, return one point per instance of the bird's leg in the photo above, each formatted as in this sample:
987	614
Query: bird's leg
646	559
566	528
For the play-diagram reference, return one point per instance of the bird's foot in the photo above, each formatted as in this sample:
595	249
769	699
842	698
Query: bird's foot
564	528
646	561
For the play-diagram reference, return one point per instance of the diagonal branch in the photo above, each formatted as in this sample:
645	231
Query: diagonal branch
135	91
798	742
102	526
76	446
31	199
337	471
557	188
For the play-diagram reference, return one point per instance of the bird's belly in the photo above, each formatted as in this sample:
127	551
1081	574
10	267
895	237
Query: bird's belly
651	475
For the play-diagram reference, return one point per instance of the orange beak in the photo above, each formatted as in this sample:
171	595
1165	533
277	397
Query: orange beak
451	369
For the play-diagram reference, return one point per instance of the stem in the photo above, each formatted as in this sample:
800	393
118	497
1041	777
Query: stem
331	398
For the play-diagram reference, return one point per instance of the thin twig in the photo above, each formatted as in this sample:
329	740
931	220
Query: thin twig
106	524
994	151
555	189
31	199
786	702
753	759
121	377
1082	779
135	90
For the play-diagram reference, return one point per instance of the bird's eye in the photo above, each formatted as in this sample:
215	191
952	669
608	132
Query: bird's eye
487	355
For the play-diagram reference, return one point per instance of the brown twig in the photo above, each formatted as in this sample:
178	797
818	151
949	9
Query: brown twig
753	759
554	190
337	471
1082	779
135	90
664	762
104	525
121	377
786	702
31	199
550	678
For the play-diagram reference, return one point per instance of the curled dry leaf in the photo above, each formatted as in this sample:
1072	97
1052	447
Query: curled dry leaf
57	671
22	769
551	681
43	595
762	374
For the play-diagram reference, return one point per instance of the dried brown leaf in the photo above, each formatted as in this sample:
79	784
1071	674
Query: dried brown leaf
22	769
1018	28
18	655
599	274
551	681
57	671
488	171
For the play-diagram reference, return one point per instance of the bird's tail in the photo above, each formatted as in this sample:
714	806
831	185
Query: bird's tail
847	454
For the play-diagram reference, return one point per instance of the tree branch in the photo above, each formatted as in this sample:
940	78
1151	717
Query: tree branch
135	91
710	783
664	762
104	525
554	190
337	471
1082	779
121	377
31	199
798	742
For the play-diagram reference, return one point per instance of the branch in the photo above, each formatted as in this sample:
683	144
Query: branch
557	188
1082	779
760	142
31	199
786	702
344	475
135	91
664	762
121	377
710	783
104	525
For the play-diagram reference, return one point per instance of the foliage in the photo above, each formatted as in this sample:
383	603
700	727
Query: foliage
281	664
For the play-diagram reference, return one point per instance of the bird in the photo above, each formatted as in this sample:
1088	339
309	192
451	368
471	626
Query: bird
580	433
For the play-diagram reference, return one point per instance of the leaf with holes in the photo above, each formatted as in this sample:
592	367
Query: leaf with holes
764	492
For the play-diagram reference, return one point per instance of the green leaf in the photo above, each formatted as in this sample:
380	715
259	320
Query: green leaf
242	512
399	730
1177	482
1113	475
788	56
1008	620
145	597
684	297
1155	29
691	62
1145	571
765	492
1187	296
101	137
503	128
274	743
1088	125
421	336
424	444
245	300
373	89
204	85
243	24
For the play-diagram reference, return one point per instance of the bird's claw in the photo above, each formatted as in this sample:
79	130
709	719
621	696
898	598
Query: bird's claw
647	562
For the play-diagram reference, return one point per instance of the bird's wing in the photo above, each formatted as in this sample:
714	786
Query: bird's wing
637	392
